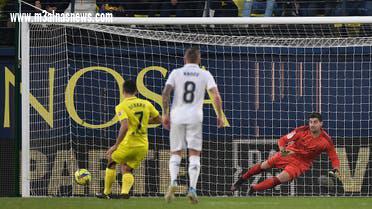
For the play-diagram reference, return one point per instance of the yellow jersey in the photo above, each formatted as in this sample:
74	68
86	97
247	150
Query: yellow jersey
138	112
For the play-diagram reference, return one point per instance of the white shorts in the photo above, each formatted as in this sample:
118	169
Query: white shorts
186	135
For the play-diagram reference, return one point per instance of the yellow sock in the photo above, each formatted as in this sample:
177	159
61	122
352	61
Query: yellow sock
128	180
110	177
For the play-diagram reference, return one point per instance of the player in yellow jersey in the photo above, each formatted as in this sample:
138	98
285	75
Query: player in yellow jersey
131	144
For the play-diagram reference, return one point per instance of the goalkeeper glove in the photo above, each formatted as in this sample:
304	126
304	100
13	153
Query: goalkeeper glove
334	172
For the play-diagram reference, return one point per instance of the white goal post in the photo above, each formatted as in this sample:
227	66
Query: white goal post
271	72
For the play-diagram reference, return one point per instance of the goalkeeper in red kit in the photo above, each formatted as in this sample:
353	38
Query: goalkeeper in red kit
298	150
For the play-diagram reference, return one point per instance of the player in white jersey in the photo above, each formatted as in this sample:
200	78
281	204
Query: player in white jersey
185	118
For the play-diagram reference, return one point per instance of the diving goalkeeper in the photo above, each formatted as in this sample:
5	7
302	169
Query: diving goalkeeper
298	150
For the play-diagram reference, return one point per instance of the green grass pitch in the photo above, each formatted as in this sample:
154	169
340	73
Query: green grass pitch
182	203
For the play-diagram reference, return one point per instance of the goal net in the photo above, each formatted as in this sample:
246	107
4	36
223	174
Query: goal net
270	77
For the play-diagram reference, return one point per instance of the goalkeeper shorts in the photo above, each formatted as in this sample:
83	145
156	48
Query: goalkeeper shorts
290	163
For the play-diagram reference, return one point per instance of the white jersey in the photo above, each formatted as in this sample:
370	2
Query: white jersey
189	83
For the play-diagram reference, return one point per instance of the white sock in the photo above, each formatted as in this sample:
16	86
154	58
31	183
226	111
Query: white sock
194	170
174	167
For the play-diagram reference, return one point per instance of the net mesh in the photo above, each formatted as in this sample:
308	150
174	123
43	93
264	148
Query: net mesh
270	77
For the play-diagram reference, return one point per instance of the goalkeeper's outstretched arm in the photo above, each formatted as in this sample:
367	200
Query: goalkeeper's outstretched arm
332	155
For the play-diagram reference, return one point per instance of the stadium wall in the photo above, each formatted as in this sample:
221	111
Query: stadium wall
7	141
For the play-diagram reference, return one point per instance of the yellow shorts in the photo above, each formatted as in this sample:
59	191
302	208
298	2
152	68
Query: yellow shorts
131	156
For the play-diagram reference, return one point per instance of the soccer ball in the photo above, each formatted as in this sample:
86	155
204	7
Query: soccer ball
82	177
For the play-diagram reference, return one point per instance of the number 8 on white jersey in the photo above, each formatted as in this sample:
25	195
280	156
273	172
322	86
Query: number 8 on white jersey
189	84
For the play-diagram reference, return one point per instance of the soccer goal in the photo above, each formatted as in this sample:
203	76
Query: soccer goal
271	73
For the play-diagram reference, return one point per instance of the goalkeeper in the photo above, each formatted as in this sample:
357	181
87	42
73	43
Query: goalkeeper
131	146
298	149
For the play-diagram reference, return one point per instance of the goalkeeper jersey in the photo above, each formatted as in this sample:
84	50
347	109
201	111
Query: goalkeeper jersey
307	148
137	112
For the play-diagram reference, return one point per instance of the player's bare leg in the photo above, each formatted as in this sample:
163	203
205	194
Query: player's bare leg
256	169
194	170
127	179
281	178
174	167
110	176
